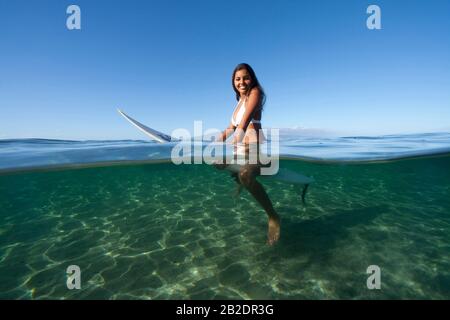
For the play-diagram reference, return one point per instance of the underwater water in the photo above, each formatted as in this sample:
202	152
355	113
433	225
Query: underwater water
160	231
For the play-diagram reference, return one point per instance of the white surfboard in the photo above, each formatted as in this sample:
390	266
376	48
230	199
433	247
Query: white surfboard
152	133
283	174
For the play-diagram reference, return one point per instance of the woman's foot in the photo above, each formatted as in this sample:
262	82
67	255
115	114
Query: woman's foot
273	234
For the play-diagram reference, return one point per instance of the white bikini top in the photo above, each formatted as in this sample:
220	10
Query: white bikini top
236	121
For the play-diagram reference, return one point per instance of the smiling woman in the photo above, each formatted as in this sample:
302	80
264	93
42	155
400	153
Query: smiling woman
250	96
246	126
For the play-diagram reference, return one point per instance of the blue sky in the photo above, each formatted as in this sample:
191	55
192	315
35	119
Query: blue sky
168	63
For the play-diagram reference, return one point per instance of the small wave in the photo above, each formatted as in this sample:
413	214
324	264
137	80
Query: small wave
25	153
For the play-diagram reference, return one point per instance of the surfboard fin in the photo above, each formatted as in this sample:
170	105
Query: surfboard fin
305	189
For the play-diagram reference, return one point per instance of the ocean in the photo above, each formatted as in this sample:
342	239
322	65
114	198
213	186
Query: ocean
140	227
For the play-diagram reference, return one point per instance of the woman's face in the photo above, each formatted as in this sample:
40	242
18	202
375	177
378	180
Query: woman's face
242	81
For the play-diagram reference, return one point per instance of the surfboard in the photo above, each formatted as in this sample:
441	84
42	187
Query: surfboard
283	175
152	133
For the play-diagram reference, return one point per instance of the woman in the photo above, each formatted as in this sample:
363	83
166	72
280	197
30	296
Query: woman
246	126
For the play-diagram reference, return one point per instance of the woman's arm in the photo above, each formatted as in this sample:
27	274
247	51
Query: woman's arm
253	101
226	133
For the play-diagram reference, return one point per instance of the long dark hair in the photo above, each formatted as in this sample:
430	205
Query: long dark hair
255	82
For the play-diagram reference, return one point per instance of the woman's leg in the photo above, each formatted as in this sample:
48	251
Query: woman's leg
247	177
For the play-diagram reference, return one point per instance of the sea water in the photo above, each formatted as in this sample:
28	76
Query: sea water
140	227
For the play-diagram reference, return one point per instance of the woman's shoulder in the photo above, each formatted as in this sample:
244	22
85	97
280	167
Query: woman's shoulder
255	95
255	91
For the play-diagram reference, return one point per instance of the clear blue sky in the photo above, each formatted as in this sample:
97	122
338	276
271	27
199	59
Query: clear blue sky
168	63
